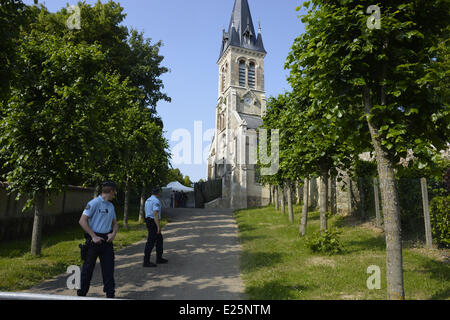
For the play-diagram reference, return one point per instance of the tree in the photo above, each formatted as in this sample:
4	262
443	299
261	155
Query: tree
14	15
314	137
386	76
82	107
55	117
143	159
304	218
175	175
187	181
276	106
129	54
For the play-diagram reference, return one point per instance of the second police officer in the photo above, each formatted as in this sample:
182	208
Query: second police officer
152	219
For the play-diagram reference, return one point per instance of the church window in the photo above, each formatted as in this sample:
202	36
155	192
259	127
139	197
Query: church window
251	75
242	73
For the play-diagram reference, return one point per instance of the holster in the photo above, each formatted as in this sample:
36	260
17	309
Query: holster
83	249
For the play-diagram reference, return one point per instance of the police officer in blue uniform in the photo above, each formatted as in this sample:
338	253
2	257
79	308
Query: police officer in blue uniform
100	225
152	219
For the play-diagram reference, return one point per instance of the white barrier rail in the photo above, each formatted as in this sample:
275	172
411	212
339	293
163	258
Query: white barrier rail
33	296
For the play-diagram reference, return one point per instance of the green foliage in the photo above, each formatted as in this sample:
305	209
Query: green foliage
325	242
14	15
411	207
363	168
440	220
187	181
401	65
82	106
276	265
175	175
57	119
410	198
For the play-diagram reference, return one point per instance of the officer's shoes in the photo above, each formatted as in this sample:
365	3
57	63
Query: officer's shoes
149	265
161	260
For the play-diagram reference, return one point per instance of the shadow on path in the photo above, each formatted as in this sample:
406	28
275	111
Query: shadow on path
203	251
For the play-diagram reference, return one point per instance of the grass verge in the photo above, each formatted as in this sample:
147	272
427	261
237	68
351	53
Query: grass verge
277	265
20	271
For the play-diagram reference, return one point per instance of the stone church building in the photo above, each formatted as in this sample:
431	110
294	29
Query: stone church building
240	106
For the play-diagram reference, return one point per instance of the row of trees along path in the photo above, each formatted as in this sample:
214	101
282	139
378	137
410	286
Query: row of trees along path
78	105
357	89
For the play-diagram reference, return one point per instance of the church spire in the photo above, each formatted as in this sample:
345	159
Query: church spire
241	31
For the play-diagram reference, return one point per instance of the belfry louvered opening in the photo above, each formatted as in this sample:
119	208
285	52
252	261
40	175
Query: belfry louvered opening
242	73
251	75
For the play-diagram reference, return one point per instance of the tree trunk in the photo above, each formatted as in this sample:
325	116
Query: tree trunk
377	202
333	195
270	194
323	198
36	237
426	213
349	195
283	200
274	195
362	199
391	210
8	204
298	189
96	192
277	198
126	203
289	201
142	205
313	194
304	219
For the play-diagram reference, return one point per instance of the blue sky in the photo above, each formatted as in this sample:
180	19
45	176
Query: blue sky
191	32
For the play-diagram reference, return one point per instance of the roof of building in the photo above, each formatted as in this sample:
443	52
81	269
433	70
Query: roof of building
253	122
241	32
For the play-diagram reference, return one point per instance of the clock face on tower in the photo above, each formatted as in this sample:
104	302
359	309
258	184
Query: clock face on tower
248	100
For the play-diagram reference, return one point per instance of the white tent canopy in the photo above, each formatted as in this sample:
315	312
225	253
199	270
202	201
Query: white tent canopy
176	186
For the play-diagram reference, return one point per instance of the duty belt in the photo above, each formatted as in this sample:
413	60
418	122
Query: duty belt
101	235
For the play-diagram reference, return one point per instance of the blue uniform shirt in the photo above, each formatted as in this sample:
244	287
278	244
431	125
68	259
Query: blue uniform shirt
151	205
101	214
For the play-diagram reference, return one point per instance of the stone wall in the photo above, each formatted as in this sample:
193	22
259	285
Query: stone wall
347	199
255	202
61	210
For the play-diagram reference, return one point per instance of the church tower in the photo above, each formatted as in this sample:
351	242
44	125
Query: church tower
240	107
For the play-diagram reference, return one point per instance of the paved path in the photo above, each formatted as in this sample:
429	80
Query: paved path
203	252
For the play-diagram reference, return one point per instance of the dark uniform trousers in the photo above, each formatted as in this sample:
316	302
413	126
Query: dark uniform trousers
105	252
152	239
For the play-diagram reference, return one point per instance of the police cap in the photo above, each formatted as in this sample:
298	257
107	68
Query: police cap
156	190
109	183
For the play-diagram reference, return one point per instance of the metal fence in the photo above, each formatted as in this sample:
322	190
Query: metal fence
207	191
